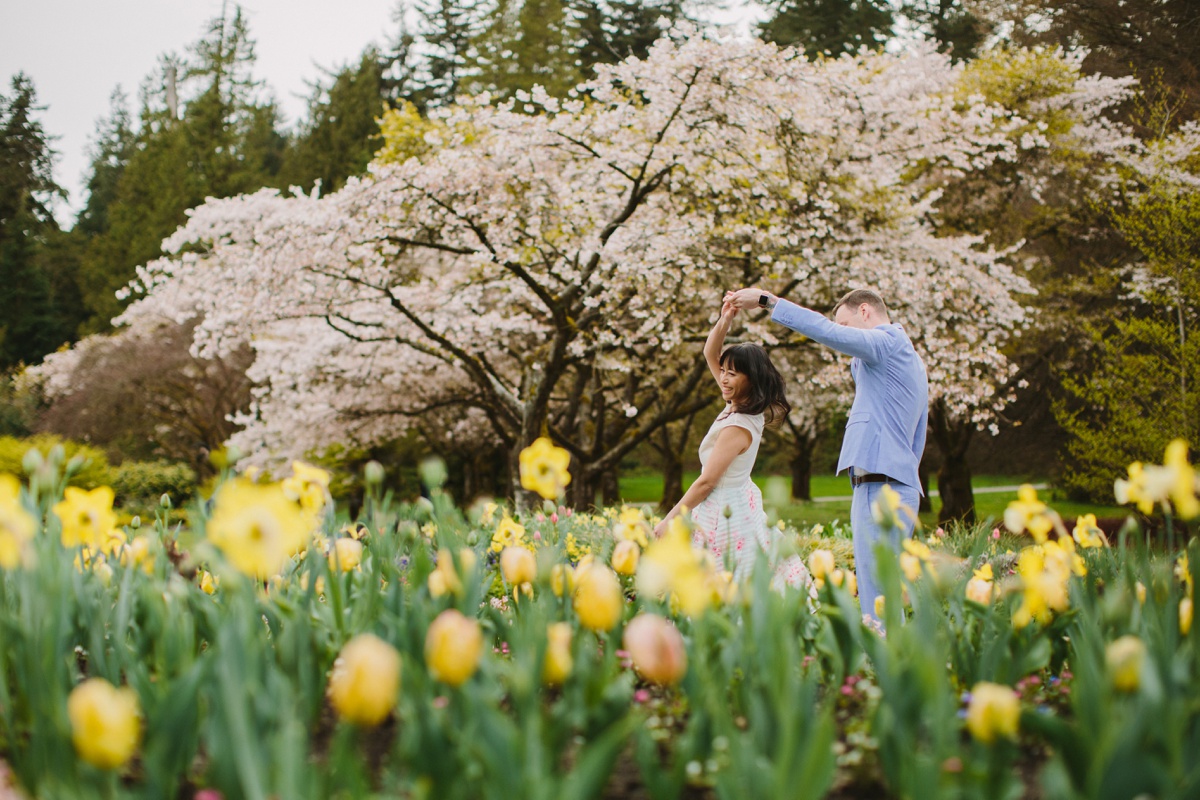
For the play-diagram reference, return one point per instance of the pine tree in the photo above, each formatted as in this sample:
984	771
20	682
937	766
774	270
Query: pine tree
30	326
205	130
341	133
829	27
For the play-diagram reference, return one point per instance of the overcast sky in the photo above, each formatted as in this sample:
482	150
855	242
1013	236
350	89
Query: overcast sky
78	51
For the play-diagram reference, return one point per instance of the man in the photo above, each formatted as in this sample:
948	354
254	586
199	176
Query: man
885	433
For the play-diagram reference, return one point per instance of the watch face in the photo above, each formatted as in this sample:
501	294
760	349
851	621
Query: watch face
762	300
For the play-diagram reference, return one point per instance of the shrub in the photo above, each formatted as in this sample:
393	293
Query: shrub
94	472
142	483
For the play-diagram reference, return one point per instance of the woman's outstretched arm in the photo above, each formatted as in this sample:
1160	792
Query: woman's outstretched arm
716	340
731	442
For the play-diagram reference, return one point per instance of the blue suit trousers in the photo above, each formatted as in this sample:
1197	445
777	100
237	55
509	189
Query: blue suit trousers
868	534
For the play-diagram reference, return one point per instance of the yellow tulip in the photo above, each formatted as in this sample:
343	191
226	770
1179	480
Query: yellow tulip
518	566
625	557
599	601
558	663
347	554
365	680
656	649
1125	658
105	723
562	579
994	712
820	563
1185	616
453	646
979	591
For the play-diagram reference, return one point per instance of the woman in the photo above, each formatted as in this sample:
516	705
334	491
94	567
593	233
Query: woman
727	508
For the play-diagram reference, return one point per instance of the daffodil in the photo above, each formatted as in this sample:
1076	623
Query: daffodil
544	468
888	510
308	486
106	723
1087	533
509	533
1045	571
1184	572
208	582
365	680
257	526
671	566
87	517
1184	485
994	712
17	525
1147	485
1027	513
632	525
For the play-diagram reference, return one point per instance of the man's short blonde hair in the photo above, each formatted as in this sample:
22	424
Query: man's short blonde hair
856	297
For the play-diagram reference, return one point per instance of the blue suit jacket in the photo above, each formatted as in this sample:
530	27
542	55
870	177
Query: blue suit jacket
886	429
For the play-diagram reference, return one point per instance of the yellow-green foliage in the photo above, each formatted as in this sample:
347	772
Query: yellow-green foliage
94	471
404	134
1020	80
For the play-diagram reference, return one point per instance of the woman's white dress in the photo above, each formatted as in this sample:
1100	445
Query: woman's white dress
731	522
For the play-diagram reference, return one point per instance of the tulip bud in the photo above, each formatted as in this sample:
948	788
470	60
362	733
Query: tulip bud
599	601
625	557
656	648
453	645
558	663
373	473
994	712
518	565
365	680
1124	659
32	461
105	723
1185	616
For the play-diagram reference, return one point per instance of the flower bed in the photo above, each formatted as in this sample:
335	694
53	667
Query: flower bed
425	651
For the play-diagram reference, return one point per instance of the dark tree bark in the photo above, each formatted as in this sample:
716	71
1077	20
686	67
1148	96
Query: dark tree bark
802	471
952	437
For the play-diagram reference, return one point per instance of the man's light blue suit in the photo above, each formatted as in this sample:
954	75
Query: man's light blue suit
885	433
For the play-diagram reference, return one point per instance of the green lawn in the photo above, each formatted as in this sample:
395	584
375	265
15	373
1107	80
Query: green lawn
777	495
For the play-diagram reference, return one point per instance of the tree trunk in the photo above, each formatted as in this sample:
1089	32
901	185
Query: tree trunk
952	437
672	483
802	470
610	488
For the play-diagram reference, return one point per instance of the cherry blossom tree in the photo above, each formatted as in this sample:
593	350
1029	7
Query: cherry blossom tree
546	266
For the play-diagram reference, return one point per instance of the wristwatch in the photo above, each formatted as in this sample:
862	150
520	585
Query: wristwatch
764	301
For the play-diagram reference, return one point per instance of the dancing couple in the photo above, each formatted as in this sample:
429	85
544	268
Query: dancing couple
884	439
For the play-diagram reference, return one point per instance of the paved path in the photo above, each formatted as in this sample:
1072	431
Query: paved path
933	492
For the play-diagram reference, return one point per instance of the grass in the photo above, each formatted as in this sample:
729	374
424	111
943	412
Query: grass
647	488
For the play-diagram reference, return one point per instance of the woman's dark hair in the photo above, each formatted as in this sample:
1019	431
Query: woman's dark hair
766	391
